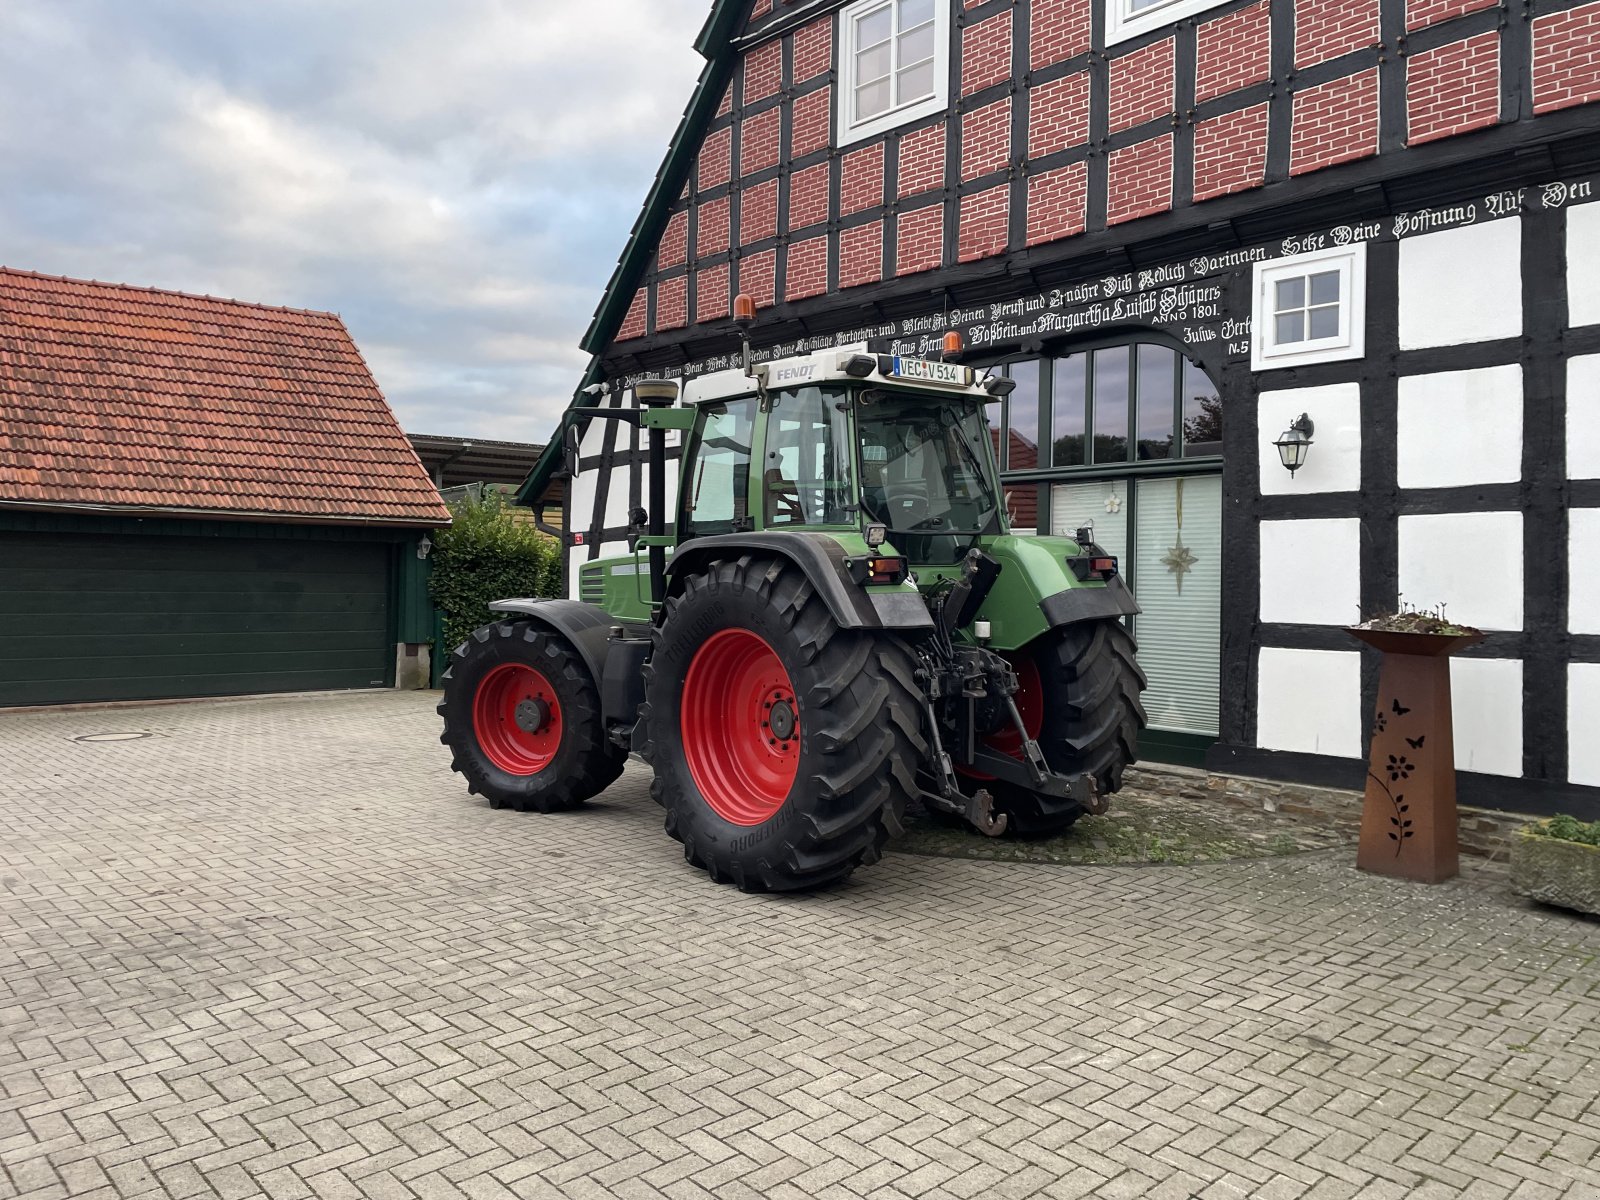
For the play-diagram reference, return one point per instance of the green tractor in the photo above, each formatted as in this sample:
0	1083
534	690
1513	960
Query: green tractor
839	623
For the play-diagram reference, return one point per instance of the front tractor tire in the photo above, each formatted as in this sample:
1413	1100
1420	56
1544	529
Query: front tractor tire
784	747
1079	699
522	720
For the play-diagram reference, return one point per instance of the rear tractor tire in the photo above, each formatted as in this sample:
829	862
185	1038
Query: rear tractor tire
784	747
1079	699
522	720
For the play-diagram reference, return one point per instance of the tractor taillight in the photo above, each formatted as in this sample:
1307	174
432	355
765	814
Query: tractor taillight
1093	566
879	569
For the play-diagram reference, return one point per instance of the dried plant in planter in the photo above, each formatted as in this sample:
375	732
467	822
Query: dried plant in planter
1418	620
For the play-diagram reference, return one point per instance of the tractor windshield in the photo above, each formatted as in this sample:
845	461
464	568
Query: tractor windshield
925	470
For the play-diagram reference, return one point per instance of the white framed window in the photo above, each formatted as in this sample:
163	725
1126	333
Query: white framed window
1310	308
1129	18
894	64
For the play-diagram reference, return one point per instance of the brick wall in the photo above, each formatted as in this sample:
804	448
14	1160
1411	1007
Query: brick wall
1230	153
672	303
1233	52
758	212
806	272
674	248
763	71
1453	88
1142	85
922	160
813	50
716	160
861	255
633	325
808	195
985	139
986	53
811	122
985	218
758	141
758	276
1325	29
1058	114
713	228
1059	30
711	293
861	185
1566	58
1140	180
920	240
1057	203
1420	13
1335	123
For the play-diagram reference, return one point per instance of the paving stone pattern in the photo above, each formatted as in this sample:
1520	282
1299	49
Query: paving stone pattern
276	950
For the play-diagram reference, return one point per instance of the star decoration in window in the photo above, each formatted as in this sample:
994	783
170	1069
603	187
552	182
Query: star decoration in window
1179	561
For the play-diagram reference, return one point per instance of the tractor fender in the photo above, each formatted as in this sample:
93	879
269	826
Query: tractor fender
1089	604
586	626
821	559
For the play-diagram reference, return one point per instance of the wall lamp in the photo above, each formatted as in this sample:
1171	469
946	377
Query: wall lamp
1295	443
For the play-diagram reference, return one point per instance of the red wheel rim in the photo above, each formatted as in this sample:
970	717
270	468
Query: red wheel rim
1030	704
740	724
517	719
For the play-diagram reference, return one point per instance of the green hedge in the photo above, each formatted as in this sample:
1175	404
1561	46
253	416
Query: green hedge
488	554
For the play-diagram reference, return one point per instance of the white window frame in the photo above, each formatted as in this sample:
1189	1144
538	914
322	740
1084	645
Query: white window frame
1351	340
1122	22
848	131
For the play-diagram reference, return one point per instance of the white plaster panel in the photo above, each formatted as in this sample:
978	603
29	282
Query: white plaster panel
1583	416
1310	702
1311	572
1583	551
617	500
1458	428
1469	562
1333	464
1461	285
1583	252
1486	700
1583	723
592	441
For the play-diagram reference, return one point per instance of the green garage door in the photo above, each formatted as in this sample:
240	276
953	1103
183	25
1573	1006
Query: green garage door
107	617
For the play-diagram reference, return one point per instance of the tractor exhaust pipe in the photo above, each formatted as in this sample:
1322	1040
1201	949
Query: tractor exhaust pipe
657	393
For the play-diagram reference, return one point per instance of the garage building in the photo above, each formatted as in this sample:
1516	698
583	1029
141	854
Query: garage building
198	497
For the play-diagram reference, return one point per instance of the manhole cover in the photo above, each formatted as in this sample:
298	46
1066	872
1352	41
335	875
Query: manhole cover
111	737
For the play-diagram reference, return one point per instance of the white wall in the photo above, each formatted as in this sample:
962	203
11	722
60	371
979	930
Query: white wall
1583	723
1459	428
1583	252
1311	572
1583	416
1486	697
1333	463
1583	557
1310	701
1461	285
1470	562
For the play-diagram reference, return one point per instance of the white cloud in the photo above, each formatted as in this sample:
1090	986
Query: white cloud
455	180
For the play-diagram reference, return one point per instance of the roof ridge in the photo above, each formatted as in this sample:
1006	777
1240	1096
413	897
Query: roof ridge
156	291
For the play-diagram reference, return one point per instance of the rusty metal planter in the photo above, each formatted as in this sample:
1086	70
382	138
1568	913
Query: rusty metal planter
1553	871
1408	817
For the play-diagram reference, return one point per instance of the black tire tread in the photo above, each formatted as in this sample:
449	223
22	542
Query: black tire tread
862	713
592	763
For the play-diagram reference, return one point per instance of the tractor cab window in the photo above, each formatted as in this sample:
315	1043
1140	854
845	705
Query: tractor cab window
716	471
926	471
807	476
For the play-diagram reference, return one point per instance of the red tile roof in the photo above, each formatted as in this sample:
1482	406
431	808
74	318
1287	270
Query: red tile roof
125	397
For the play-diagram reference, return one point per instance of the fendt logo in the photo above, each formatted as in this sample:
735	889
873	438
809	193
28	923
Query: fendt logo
795	374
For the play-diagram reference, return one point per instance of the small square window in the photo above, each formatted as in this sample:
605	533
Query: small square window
894	64
1129	18
1310	308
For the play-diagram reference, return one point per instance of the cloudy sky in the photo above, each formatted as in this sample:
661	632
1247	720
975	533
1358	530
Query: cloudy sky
454	177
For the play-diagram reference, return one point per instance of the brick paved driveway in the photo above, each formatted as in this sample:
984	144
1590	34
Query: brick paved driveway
276	950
